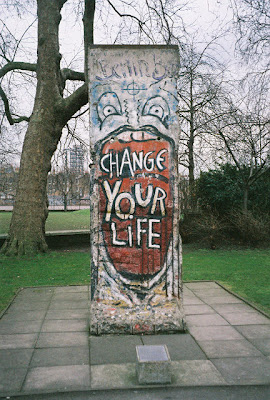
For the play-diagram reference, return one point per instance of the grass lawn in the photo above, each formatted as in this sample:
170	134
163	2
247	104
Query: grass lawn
56	221
244	271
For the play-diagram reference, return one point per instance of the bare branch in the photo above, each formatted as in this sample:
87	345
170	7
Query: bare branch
10	119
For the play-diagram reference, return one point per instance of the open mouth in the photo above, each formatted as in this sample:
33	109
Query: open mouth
135	203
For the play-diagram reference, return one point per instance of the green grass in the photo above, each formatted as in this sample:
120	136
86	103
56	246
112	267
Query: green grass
53	268
245	271
56	221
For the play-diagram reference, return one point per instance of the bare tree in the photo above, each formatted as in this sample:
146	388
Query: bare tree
200	81
252	21
242	134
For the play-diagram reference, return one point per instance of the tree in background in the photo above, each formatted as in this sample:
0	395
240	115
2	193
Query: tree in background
200	81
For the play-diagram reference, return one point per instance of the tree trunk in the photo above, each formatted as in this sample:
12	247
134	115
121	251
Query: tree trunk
27	228
50	114
245	199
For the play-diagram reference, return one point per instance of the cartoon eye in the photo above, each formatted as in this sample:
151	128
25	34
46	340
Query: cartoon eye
108	104
158	107
109	110
157	111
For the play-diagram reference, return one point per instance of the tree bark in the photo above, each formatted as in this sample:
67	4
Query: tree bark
50	113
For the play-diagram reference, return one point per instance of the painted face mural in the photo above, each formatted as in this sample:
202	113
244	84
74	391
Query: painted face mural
135	249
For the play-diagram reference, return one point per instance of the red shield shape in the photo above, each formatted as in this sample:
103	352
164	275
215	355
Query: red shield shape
136	204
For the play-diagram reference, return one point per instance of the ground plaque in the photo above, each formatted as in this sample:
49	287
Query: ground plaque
135	242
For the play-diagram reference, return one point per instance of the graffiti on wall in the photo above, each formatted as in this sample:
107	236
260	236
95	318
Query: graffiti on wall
134	181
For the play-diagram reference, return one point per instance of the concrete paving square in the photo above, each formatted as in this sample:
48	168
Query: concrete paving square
246	318
65	325
198	309
244	370
35	294
229	348
57	378
205	320
110	376
71	296
210	292
262	344
187	301
112	349
23	316
233	308
15	358
195	373
11	379
201	285
18	341
68	305
180	346
225	299
10	327
215	333
62	339
68	314
19	306
71	289
60	356
254	331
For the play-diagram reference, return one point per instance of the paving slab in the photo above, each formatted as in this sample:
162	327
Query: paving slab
69	305
70	289
262	344
215	333
225	299
65	325
19	306
180	346
205	320
62	339
246	318
60	356
254	331
18	341
68	314
10	327
233	308
198	309
187	301
57	378
246	370
15	358
113	349
196	373
202	285
229	348
110	376
206	292
71	296
23	316
11	379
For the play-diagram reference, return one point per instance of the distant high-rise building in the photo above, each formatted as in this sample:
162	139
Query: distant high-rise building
75	159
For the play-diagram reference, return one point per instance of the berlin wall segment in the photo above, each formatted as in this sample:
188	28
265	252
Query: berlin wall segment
136	250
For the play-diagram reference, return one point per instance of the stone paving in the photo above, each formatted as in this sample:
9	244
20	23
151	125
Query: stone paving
45	345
